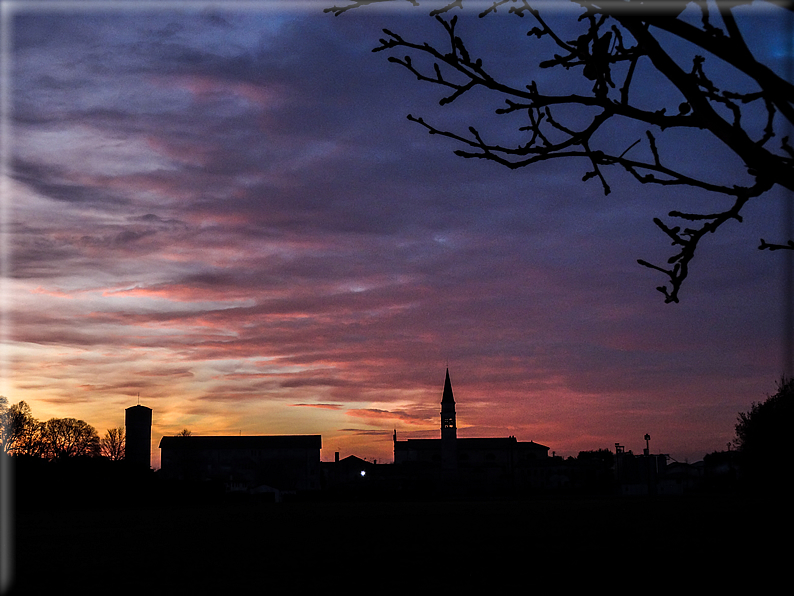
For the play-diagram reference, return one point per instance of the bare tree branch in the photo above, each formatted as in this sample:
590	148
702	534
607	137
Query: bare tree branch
615	38
772	247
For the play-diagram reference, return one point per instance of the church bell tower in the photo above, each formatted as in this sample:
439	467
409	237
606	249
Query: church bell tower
448	426
449	429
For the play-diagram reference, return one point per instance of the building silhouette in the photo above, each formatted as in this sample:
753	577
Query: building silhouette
499	462
250	463
351	474
138	447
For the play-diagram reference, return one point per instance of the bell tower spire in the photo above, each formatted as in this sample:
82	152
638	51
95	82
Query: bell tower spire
449	432
448	423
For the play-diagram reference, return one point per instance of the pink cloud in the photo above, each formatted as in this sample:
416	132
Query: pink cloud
206	87
377	414
52	292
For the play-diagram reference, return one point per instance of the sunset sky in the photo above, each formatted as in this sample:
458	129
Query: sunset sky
225	211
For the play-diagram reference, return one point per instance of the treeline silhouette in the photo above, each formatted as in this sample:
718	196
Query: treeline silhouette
21	434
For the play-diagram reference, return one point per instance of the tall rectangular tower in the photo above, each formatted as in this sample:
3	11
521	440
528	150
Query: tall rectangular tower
138	420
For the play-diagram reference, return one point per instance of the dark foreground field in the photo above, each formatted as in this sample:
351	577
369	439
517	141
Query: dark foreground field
403	547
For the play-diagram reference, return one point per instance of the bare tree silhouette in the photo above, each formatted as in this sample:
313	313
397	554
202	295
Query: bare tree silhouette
68	437
20	432
748	112
112	445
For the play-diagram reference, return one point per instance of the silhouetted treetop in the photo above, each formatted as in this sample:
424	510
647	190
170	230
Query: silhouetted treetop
721	92
762	436
68	437
113	445
19	430
768	423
